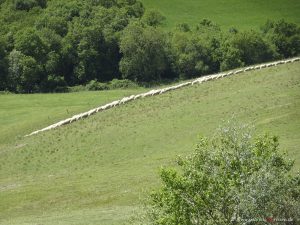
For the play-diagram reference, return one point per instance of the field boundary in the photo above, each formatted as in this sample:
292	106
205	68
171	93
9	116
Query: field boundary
124	100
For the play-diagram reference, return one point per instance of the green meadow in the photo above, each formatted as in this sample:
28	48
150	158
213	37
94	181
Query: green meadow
95	171
241	14
21	114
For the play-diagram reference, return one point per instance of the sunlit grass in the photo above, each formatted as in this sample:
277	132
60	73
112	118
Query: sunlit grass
94	171
241	14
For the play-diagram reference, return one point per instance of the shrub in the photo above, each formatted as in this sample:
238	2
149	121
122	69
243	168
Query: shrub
29	4
5	93
94	85
153	18
55	83
192	54
122	84
144	56
252	47
285	36
229	179
183	27
231	57
76	88
23	73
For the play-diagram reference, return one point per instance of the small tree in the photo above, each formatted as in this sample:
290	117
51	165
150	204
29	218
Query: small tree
3	63
23	72
144	57
253	48
230	179
153	18
285	36
29	4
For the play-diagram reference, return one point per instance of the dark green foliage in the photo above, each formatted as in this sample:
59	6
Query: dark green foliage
285	36
252	47
231	57
143	50
30	43
228	180
55	83
73	42
94	85
191	56
3	64
24	73
29	4
54	23
122	84
183	27
195	52
153	18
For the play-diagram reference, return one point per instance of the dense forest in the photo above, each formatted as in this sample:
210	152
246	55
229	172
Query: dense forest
46	46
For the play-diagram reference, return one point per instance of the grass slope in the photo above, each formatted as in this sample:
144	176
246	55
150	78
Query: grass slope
93	171
242	14
22	114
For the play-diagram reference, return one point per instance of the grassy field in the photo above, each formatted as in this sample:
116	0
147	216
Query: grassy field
94	171
22	114
242	14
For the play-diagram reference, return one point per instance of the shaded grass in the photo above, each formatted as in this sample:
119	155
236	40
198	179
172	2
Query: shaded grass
95	170
242	14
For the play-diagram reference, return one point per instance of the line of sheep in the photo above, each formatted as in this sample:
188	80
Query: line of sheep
160	91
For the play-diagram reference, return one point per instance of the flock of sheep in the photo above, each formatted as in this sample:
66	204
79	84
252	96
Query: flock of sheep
161	91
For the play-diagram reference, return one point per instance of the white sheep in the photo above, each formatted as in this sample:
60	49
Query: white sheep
200	80
146	94
188	83
74	118
214	76
257	67
238	71
263	66
91	112
115	103
131	97
219	76
149	93
167	89
194	82
248	68
137	96
124	100
159	91
209	78
155	92
229	73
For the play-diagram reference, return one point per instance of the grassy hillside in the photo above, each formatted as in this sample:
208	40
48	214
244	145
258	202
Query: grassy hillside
21	114
95	170
242	14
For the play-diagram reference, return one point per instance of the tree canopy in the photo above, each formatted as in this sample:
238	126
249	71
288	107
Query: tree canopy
74	42
231	178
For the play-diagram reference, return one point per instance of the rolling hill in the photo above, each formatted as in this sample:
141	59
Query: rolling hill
95	170
241	14
20	114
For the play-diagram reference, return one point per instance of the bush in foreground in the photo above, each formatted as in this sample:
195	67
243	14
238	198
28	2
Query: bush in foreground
230	179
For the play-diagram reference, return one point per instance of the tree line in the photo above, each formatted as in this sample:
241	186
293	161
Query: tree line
46	46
